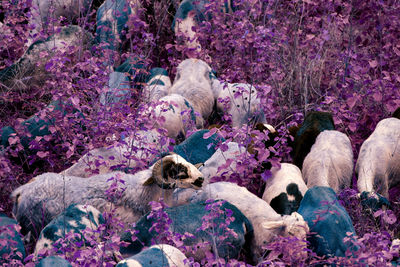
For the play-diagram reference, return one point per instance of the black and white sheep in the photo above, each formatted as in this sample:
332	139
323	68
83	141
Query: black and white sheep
75	219
121	155
244	106
314	123
193	81
157	85
156	255
285	189
378	163
330	161
44	197
266	222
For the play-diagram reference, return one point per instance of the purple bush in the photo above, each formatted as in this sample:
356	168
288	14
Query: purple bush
338	56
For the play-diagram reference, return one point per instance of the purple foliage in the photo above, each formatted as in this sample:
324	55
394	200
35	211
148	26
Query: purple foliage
341	56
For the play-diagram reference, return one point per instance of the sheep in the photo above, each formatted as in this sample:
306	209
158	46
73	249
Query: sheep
329	222
395	251
12	247
396	113
330	161
268	141
266	222
378	163
156	255
74	219
36	125
41	13
214	165
285	189
53	261
193	82
26	68
111	18
197	149
189	219
136	70
40	200
189	13
178	115
314	123
244	106
120	155
157	85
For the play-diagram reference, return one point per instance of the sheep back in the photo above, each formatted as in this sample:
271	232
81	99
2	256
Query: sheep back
329	222
188	218
314	123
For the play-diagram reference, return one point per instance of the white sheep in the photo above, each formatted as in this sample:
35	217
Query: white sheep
157	86
244	105
193	81
42	11
157	255
266	222
329	162
213	166
285	189
140	146
45	196
27	69
378	163
178	114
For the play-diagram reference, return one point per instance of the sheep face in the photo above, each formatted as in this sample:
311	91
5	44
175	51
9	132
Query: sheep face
193	81
193	70
290	225
173	171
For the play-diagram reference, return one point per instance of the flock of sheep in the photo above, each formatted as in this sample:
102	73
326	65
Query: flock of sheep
323	163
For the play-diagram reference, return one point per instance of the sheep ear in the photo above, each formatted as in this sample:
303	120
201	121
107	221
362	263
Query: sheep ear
198	165
149	181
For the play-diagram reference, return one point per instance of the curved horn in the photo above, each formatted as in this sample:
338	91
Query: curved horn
270	225
158	170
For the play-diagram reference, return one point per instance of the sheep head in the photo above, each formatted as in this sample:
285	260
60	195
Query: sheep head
289	225
195	70
173	171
